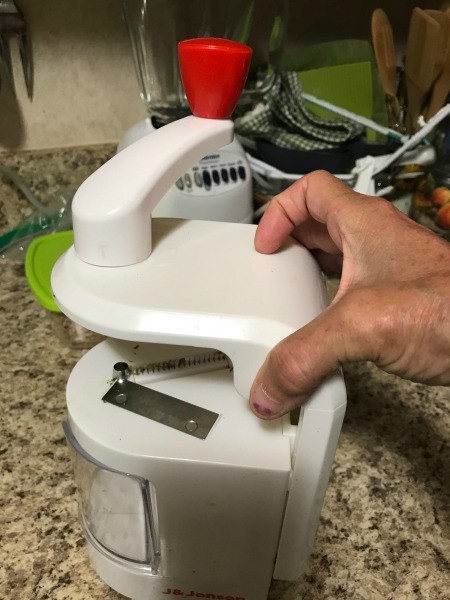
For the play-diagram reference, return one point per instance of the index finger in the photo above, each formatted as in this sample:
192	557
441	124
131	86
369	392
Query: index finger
317	196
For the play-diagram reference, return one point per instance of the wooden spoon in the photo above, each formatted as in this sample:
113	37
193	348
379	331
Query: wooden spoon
422	49
441	88
384	49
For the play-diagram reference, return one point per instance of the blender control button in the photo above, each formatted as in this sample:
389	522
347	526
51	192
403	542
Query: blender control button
198	179
188	180
216	176
179	183
224	174
242	173
233	174
207	179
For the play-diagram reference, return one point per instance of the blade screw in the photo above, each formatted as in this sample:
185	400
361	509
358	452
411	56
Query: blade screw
191	426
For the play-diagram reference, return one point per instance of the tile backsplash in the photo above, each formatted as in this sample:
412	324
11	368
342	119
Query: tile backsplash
85	87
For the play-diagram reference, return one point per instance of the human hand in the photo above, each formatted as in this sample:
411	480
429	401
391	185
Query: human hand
393	302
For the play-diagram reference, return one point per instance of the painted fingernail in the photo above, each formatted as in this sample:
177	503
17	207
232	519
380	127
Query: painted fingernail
263	403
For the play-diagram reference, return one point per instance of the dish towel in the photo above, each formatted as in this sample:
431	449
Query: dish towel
285	121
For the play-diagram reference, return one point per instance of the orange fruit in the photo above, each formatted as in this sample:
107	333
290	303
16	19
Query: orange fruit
441	196
443	216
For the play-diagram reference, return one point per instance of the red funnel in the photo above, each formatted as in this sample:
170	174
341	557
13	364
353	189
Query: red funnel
213	71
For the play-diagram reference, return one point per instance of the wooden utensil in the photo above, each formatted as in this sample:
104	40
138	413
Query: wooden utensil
384	49
383	46
441	88
444	40
422	48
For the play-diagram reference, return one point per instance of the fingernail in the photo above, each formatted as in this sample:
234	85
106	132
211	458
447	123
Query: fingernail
263	403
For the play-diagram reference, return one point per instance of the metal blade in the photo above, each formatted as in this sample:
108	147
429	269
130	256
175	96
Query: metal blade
165	409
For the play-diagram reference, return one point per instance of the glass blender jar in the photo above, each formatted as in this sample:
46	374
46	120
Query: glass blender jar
156	26
219	187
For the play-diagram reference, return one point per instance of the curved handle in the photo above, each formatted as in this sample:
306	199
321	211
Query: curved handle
112	208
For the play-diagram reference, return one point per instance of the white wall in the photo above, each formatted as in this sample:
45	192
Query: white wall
85	87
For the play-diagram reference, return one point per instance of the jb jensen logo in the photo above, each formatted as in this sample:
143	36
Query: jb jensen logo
192	594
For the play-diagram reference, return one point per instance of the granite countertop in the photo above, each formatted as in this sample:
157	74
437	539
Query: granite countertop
384	529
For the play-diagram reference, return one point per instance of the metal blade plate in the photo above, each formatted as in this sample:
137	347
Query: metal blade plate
165	409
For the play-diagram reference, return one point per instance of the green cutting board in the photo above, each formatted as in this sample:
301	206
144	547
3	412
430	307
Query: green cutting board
347	86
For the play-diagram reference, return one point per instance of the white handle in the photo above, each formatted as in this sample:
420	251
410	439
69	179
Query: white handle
112	208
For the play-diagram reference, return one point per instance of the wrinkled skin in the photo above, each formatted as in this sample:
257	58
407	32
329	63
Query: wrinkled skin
393	303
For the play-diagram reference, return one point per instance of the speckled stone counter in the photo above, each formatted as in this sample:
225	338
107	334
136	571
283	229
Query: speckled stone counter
384	530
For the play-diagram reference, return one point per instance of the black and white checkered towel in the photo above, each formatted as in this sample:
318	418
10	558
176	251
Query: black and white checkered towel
285	121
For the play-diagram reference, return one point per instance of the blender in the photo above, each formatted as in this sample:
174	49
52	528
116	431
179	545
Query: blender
183	492
219	186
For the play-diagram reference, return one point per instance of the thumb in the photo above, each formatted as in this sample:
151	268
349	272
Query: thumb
299	363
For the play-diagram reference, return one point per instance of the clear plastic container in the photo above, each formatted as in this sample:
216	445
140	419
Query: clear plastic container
118	510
